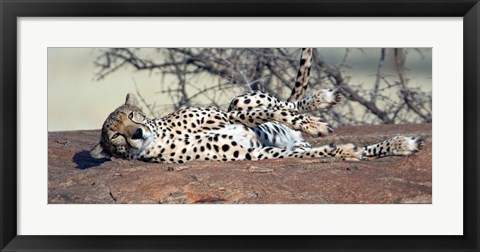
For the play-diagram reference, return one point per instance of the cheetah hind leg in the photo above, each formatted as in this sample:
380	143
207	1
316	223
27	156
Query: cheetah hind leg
308	124
395	146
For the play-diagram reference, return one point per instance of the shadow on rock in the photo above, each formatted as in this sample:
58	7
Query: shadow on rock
84	160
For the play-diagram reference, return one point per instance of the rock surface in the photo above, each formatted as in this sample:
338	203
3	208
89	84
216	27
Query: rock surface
75	177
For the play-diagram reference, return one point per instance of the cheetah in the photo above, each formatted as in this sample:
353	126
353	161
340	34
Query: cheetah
255	126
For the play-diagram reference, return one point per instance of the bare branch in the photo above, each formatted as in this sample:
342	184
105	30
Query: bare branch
386	96
347	91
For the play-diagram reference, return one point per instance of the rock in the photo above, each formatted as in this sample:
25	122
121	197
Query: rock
75	177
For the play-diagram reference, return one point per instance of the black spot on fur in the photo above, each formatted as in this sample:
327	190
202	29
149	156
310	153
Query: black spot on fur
302	62
225	147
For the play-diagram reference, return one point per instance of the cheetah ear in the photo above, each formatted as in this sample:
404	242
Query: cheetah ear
131	100
99	152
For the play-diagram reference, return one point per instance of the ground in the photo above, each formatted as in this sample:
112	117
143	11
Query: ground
75	177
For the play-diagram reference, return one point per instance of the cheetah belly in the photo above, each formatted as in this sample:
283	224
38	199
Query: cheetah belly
232	142
279	135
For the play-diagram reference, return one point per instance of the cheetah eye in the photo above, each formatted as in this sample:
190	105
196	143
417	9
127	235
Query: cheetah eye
130	116
115	135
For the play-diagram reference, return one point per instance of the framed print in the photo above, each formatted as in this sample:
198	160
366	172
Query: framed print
88	190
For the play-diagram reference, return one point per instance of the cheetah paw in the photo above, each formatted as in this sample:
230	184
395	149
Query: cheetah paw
326	98
350	152
316	128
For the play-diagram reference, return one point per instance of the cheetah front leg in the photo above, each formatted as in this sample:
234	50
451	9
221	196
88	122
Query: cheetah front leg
308	124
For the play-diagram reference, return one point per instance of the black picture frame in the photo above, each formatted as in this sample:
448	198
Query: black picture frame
10	10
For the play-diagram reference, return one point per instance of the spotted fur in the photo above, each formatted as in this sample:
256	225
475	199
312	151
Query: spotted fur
256	126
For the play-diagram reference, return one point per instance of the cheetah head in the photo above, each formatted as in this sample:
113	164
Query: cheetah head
125	133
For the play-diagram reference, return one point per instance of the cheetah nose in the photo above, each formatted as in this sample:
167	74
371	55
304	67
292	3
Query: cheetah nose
138	134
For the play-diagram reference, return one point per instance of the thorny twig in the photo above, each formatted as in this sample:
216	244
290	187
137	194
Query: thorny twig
388	99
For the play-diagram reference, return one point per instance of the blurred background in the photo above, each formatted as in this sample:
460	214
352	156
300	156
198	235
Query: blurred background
378	85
